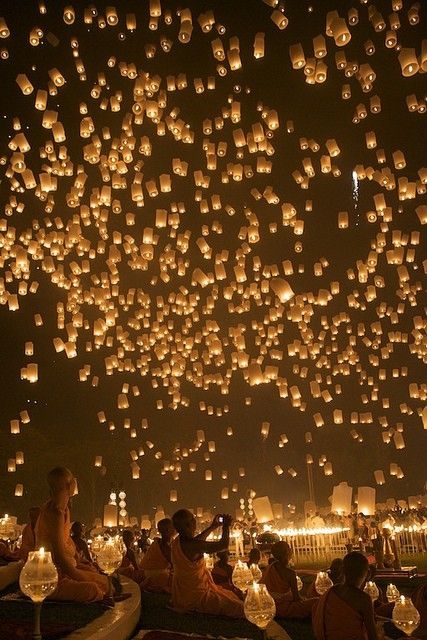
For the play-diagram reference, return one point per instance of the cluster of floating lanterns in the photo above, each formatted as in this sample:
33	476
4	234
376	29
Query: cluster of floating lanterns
206	308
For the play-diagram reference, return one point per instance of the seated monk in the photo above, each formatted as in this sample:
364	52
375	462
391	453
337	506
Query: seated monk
281	582
222	570
53	533
156	563
77	536
28	538
335	572
345	610
193	588
129	566
254	556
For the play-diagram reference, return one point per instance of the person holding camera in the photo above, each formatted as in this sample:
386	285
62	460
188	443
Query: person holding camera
193	588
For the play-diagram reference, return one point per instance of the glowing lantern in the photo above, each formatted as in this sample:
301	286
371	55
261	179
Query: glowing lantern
408	62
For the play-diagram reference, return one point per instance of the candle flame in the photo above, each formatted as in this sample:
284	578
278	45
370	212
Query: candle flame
41	552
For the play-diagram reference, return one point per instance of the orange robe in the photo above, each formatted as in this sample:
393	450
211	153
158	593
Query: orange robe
286	606
222	577
28	542
90	584
334	619
194	590
157	569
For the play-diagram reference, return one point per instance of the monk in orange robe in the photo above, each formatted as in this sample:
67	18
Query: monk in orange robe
345	610
281	582
222	571
157	563
53	533
28	539
335	573
130	567
193	588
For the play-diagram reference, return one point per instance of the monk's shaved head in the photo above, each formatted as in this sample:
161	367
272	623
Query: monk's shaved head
355	567
59	478
281	550
182	519
165	526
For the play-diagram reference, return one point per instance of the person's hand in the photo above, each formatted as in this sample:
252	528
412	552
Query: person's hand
227	520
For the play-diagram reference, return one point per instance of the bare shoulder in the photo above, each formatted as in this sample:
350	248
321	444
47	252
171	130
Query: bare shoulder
54	514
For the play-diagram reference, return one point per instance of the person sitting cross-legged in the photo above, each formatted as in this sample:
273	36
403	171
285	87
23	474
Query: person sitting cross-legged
193	588
222	571
28	539
156	563
281	582
335	572
345	611
129	566
77	535
53	533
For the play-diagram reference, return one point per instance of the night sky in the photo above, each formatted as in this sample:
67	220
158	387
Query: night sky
348	347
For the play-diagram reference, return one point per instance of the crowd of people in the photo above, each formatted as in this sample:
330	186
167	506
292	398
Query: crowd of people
174	563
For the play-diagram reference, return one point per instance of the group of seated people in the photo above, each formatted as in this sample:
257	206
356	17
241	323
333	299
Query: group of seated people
176	565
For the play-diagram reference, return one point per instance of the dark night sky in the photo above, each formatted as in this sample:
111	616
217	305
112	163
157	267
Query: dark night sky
64	428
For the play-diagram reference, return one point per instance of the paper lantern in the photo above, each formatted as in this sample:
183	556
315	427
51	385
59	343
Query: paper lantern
379	476
265	428
279	19
366	497
24	84
4	29
341	499
408	62
14	427
340	32
297	56
319	46
110	515
19	490
281	289
327	469
263	510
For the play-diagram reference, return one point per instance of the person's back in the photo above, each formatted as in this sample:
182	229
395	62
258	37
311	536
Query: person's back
345	610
